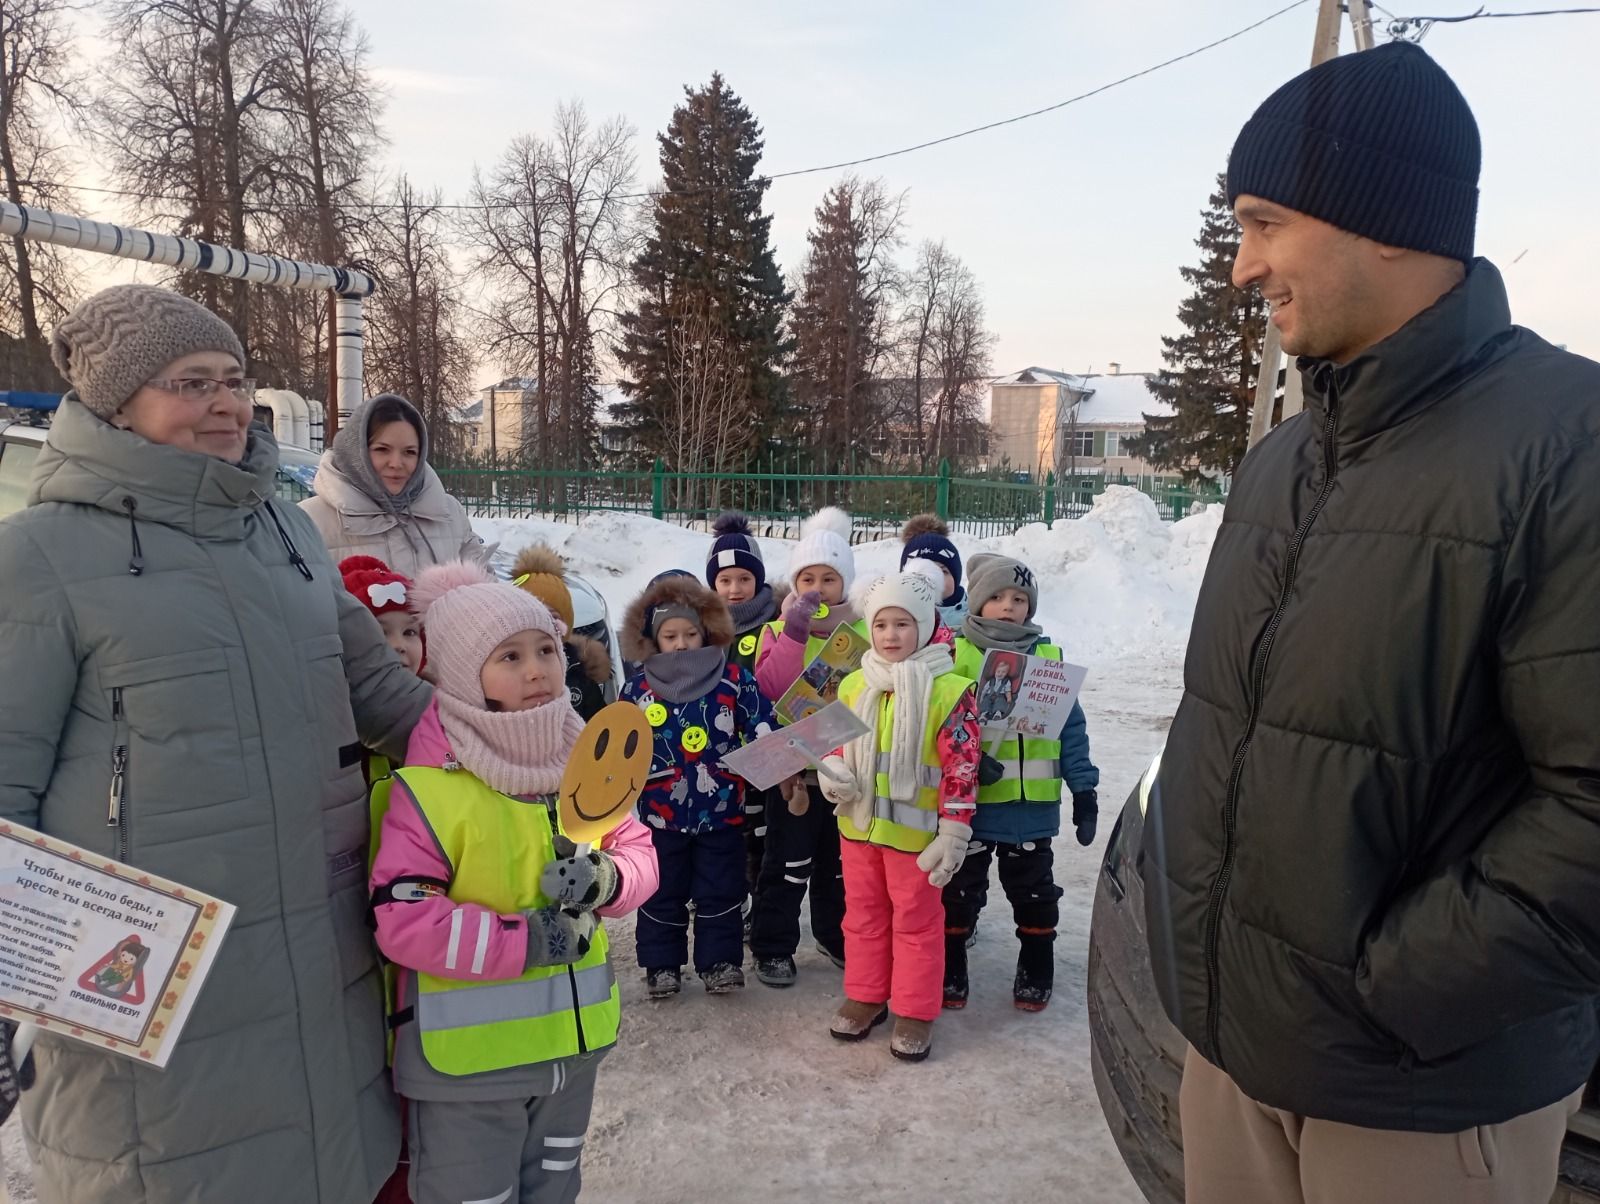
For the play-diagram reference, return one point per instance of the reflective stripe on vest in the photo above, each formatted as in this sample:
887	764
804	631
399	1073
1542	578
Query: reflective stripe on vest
516	999
1031	767
497	846
905	824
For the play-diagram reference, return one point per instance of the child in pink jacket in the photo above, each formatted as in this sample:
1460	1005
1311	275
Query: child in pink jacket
506	1001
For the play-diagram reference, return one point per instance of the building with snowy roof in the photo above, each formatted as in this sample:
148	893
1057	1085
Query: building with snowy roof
1042	420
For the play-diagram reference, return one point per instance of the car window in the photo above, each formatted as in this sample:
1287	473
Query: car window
16	468
290	485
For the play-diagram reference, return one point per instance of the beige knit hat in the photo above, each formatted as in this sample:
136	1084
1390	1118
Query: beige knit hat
118	339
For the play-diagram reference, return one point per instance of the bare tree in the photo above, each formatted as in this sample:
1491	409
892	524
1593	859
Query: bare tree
186	116
415	344
551	241
705	431
37	84
325	111
947	350
842	313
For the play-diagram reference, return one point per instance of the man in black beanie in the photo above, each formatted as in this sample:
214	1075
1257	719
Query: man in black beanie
1372	854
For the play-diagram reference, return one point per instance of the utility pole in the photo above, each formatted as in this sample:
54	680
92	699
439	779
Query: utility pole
1324	47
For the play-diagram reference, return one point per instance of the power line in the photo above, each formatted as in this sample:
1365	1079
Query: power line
804	171
1414	29
1482	15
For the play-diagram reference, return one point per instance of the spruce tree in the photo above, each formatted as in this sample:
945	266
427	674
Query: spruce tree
704	348
1210	377
840	317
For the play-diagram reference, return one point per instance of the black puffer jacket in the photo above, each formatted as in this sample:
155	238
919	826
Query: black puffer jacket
1372	860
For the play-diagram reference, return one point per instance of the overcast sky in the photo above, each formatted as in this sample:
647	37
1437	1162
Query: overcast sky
1075	222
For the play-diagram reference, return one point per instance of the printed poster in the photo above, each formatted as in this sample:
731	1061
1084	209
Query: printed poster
778	756
818	683
98	951
1028	695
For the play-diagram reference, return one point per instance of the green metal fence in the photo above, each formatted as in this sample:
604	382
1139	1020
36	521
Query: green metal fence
780	496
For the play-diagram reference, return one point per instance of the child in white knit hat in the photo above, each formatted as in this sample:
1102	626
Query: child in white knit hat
904	795
505	997
802	852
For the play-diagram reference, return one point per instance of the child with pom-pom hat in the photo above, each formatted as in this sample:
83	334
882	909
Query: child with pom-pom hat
802	853
736	570
505	999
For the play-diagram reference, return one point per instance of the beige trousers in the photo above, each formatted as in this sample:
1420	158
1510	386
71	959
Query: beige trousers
1236	1151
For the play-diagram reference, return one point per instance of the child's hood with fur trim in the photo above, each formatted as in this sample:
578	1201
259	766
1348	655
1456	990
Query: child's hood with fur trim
711	611
592	655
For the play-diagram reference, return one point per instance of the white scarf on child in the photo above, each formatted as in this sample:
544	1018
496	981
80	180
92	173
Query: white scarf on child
911	683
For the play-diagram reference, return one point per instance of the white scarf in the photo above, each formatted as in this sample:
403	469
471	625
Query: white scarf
911	683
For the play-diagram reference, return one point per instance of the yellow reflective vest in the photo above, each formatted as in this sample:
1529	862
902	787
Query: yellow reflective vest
909	826
1032	765
497	847
814	643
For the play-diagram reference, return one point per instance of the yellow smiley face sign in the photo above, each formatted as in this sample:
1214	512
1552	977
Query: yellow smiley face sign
655	713
694	739
747	645
607	769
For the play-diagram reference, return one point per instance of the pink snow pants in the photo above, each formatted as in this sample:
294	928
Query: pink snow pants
893	931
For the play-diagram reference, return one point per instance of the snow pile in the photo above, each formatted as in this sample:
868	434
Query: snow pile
1114	584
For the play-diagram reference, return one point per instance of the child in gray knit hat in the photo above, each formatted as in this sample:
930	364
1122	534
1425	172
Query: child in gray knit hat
1021	786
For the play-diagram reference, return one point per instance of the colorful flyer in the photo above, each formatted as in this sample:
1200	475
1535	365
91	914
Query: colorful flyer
772	758
818	683
98	951
1029	695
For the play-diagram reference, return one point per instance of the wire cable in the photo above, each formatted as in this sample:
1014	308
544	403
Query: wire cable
762	181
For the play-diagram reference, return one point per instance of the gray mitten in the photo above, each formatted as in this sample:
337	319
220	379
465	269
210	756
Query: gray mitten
580	883
556	938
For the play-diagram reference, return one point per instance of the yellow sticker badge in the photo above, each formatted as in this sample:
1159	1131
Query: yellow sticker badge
694	739
655	714
822	611
747	645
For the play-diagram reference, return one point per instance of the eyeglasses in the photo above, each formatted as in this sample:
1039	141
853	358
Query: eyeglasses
204	388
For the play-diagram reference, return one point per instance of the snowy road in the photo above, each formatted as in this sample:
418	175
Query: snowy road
748	1097
734	1099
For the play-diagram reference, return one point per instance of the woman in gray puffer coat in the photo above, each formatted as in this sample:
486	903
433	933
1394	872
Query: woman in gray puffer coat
157	608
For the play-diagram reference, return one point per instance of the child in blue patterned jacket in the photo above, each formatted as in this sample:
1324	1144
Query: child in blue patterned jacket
699	708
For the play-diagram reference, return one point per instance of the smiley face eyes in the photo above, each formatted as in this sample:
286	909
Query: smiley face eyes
630	744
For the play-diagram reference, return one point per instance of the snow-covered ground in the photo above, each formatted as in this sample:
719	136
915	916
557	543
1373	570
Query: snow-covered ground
734	1098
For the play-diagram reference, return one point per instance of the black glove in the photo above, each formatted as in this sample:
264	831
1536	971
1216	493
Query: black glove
990	771
13	1080
1085	814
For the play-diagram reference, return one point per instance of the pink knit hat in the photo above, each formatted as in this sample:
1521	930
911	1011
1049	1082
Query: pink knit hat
466	613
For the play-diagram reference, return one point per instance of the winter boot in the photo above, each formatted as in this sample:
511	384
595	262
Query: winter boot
723	978
912	1039
663	981
776	971
955	968
1036	969
972	935
853	1021
836	958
